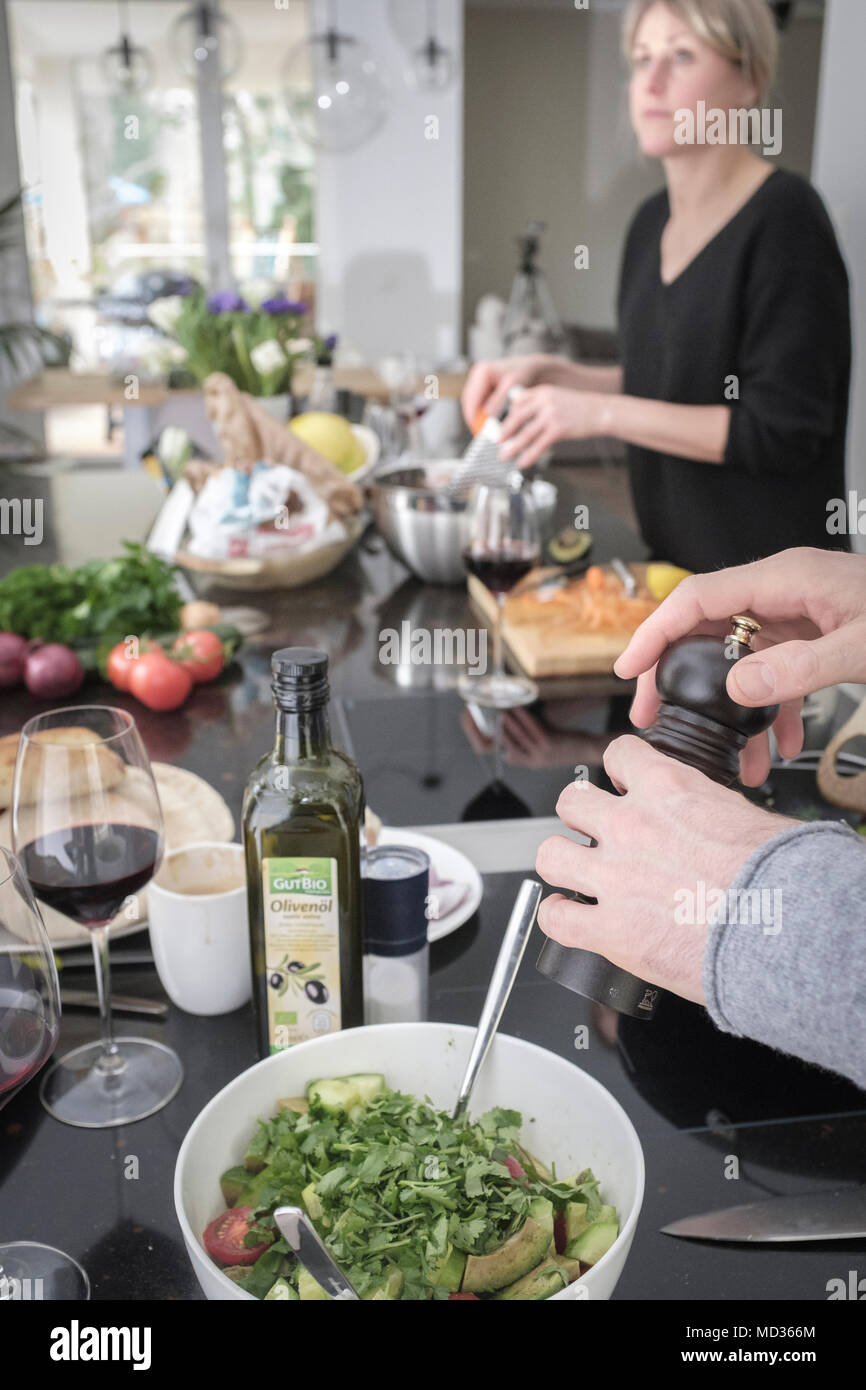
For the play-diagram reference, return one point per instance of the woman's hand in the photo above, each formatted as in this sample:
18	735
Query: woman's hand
812	608
545	414
488	383
671	830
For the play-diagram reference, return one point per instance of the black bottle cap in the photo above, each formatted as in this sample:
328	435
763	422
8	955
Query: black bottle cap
300	677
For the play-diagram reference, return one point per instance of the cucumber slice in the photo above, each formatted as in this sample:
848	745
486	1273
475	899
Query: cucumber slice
390	1288
344	1092
334	1093
312	1202
368	1084
281	1291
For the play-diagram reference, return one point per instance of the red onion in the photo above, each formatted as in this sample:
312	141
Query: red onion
52	671
13	651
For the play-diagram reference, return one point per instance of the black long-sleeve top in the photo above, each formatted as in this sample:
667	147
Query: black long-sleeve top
765	302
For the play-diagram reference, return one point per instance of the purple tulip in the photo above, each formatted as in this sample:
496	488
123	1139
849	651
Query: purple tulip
226	302
279	304
331	341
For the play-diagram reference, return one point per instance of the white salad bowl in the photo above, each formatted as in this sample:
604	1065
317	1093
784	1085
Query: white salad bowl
569	1119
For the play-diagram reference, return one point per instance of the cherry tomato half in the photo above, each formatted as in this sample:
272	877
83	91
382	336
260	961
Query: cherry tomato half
200	653
453	1296
159	682
224	1238
515	1168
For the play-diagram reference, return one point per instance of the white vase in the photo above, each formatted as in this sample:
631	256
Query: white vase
278	406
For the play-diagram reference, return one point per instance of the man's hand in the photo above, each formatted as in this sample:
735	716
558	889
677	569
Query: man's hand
811	605
671	829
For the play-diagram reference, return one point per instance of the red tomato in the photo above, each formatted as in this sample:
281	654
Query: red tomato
200	653
453	1296
559	1232
224	1238
516	1169
159	682
122	658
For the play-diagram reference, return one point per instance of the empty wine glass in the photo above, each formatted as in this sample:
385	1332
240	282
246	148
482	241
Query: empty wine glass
501	548
29	1026
87	828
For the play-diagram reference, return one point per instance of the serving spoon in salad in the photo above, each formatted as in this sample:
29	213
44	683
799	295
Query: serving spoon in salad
511	953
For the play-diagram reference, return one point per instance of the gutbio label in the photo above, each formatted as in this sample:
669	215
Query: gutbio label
302	946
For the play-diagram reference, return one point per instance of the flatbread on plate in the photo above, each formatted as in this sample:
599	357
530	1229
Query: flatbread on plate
193	811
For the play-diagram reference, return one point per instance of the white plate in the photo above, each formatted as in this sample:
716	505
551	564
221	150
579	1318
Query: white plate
448	863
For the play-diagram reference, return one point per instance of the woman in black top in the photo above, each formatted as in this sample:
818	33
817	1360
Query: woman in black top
733	311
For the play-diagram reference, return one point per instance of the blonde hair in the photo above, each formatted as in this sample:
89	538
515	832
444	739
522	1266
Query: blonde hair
743	31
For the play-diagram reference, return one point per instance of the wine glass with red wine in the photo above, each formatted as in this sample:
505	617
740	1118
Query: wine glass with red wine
29	1025
501	549
87	829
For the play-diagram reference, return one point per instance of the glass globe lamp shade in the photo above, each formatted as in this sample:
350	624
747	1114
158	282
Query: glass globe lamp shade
336	98
206	40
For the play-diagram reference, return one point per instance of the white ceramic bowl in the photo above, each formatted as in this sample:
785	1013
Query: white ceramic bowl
569	1119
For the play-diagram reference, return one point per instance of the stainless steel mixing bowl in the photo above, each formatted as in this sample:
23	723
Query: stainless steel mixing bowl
427	529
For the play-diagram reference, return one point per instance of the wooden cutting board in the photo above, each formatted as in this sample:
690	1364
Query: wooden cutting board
564	651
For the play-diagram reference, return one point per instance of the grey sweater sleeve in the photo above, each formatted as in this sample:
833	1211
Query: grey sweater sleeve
785	962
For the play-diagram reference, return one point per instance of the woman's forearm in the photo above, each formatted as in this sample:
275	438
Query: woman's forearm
687	431
555	371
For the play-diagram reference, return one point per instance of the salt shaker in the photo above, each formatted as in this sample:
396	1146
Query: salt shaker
396	953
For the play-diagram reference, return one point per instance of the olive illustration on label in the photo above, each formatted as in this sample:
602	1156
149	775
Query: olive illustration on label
302	979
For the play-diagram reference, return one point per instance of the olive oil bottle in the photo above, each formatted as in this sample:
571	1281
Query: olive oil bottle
303	818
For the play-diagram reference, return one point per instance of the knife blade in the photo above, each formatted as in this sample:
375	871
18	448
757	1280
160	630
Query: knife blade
834	1215
300	1233
121	1003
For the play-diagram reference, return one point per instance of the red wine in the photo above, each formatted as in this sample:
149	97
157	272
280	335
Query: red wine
27	1037
500	570
87	871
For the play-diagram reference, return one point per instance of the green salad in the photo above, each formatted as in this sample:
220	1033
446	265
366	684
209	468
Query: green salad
411	1204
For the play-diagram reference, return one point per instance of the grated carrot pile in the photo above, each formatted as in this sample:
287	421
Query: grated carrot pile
595	602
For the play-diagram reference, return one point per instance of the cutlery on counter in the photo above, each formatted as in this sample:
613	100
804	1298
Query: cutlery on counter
300	1234
833	1215
511	952
120	1003
119	960
629	582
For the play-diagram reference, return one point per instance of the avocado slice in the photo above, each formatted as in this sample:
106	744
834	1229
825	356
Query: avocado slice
232	1184
299	1104
571	1267
545	1279
239	1274
310	1290
448	1273
596	1239
520	1253
569	545
575	1221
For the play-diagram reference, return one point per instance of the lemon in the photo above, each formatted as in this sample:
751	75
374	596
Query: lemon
662	579
332	437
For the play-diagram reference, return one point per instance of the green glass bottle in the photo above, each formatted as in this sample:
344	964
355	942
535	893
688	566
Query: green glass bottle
303	817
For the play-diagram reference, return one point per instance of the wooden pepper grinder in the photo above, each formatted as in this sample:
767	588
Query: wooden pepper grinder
699	724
